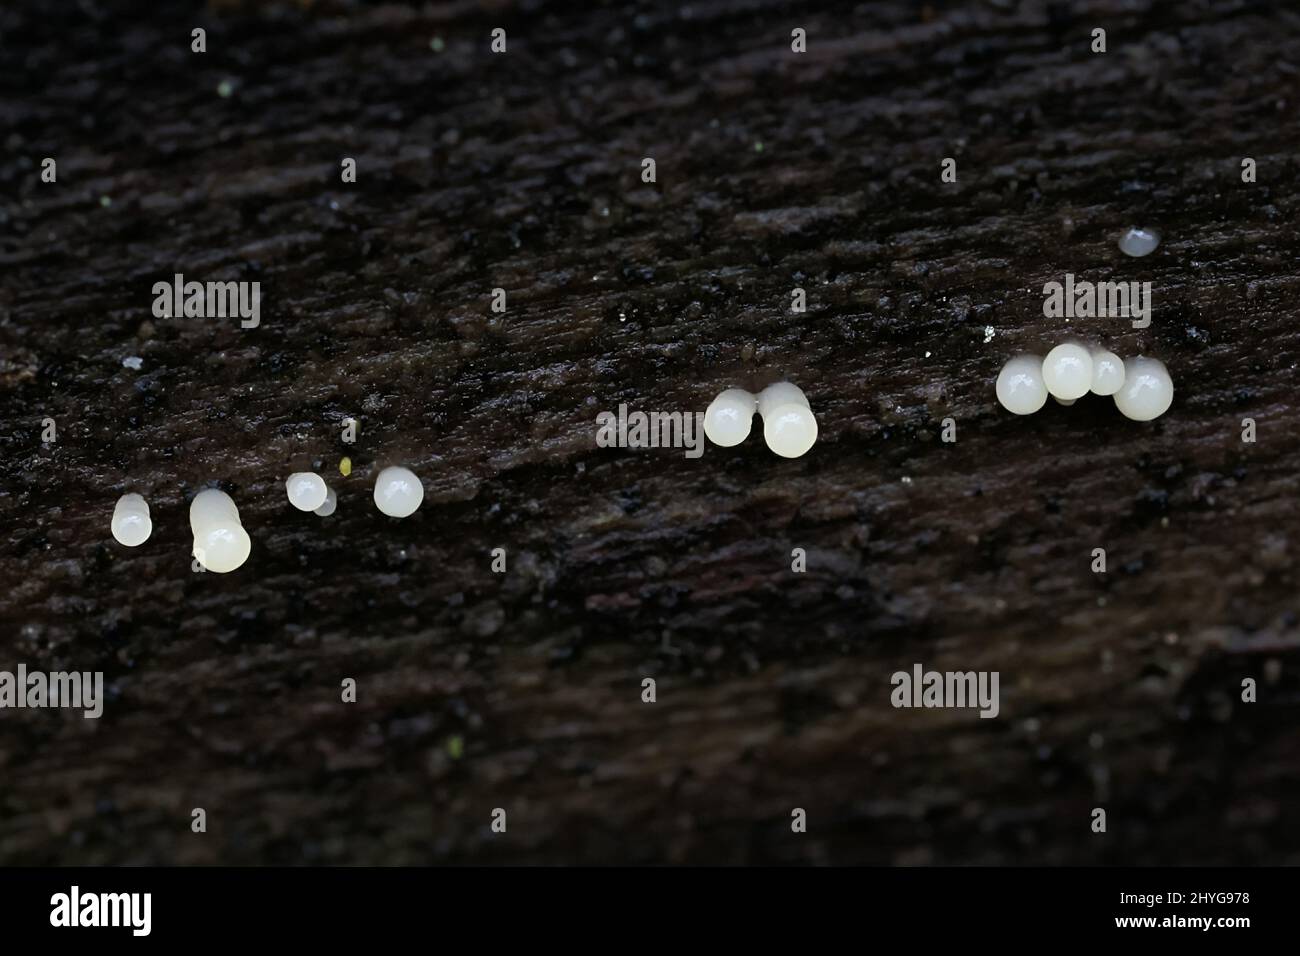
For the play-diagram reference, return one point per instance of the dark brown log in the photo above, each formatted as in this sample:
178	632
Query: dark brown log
522	691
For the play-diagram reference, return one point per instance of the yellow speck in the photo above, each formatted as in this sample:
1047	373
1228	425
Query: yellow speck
106	201
225	88
345	467
758	147
455	748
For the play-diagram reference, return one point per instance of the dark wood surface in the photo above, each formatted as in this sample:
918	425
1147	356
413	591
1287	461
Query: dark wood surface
522	691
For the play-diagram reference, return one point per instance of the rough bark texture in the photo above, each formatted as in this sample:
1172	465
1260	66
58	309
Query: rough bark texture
523	690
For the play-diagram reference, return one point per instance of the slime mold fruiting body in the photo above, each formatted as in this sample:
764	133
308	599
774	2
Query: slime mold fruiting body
131	523
307	491
1148	389
398	492
1020	386
220	542
729	417
789	427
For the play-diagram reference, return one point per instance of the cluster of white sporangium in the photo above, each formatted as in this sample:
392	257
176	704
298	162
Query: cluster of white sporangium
1141	387
220	542
789	427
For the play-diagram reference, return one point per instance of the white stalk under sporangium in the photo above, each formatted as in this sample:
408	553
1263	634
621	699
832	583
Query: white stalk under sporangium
220	542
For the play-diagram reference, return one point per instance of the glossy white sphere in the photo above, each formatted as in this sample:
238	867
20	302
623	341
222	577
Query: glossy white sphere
729	417
1139	242
1020	386
398	492
790	429
1067	371
1107	372
306	490
1148	389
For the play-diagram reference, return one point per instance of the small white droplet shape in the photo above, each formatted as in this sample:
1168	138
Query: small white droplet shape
220	542
1148	389
1020	386
729	417
1107	372
1067	371
331	502
789	427
131	523
307	490
133	362
1139	242
398	492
